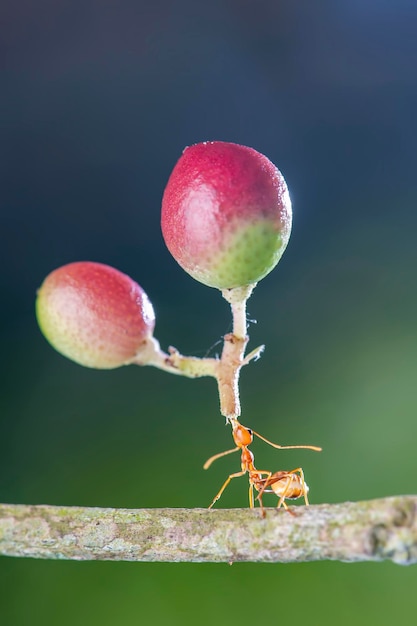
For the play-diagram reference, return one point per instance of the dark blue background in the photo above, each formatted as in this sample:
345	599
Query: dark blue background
98	101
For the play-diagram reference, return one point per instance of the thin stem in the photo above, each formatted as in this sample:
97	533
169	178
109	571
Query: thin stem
237	298
227	374
174	362
233	355
226	370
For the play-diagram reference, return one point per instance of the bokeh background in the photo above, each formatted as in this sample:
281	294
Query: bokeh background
98	100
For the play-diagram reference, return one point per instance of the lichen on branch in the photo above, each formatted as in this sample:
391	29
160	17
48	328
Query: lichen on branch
374	530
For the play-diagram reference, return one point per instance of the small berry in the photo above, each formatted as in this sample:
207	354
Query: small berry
226	214
94	314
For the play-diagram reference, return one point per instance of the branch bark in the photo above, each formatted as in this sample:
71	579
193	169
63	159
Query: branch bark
372	530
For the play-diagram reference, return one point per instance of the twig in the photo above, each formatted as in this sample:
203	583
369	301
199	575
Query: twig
225	370
373	530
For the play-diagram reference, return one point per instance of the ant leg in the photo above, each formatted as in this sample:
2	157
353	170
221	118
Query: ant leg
287	508
225	484
304	489
251	504
261	505
281	501
268	486
255	483
252	483
303	483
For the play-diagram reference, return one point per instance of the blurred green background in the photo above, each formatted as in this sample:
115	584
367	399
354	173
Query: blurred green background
99	99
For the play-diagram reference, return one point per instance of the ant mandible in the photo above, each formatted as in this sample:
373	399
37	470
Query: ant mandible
243	437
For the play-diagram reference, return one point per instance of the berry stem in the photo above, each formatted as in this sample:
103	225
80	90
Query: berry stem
237	298
173	362
226	369
233	355
227	374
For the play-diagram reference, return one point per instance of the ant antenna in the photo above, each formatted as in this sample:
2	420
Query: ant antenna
218	456
279	447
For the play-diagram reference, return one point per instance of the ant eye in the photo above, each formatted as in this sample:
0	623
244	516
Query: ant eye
250	431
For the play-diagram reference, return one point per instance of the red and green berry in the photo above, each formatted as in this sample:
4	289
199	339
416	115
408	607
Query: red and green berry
94	314
226	214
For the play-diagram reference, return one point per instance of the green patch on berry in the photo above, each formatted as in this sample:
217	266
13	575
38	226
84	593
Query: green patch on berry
251	252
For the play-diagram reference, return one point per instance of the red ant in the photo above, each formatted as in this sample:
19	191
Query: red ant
243	437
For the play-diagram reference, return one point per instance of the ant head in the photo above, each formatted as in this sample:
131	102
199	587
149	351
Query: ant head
243	436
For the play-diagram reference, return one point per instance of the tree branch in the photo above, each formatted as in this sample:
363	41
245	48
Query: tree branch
373	530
